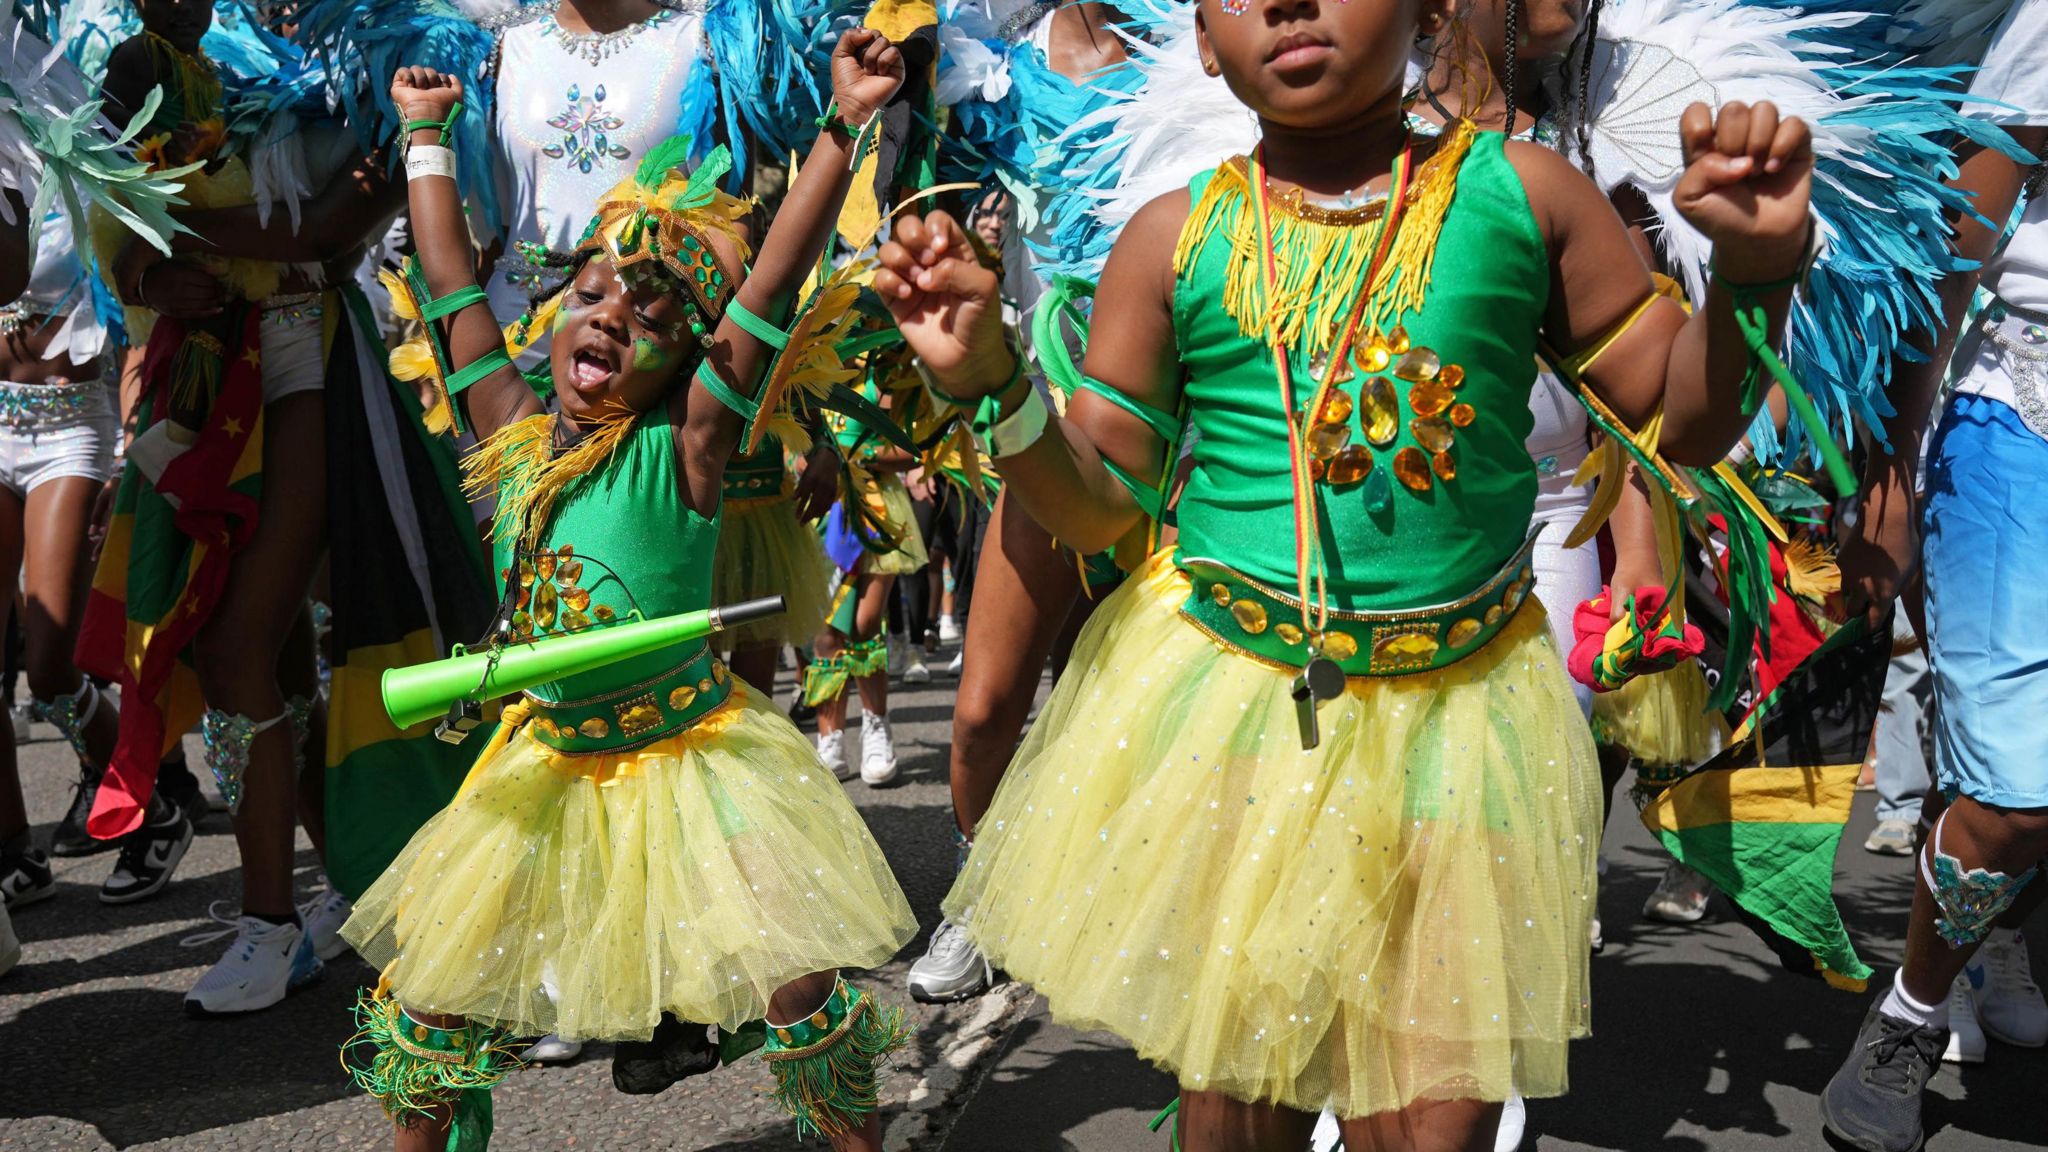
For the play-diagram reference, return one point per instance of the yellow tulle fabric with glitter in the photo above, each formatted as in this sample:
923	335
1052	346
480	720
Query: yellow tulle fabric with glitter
1398	915
1662	719
585	895
909	556
763	550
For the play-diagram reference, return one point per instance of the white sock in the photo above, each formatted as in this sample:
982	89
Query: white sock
1901	1006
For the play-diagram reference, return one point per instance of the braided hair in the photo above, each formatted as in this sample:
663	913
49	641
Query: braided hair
1582	53
1514	36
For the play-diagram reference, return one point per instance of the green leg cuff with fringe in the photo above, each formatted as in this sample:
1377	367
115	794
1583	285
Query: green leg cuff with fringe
413	1068
824	679
825	1066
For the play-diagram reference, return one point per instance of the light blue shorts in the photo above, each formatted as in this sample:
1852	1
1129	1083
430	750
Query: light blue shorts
1986	555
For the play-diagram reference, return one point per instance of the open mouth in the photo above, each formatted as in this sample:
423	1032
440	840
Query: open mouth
1298	50
590	371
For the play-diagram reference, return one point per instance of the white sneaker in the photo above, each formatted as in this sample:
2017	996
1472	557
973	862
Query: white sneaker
832	750
949	631
877	751
917	673
10	944
1965	1035
265	962
324	915
21	722
899	651
1596	938
1514	1120
1327	1137
1680	898
552	1049
2008	1001
959	658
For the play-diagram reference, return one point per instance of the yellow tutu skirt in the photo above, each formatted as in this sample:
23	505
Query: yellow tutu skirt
763	550
1661	719
909	556
1400	914
585	895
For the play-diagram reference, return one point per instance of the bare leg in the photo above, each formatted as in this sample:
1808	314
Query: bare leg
59	572
1212	1122
428	1133
869	617
13	810
238	651
2004	840
1025	586
755	664
298	675
798	999
1426	1126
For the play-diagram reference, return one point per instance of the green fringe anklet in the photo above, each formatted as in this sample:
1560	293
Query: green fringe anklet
825	1065
414	1068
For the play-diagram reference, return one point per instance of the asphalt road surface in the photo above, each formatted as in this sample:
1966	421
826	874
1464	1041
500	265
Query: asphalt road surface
1701	1042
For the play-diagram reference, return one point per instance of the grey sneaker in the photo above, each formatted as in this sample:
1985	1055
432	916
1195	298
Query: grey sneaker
1873	1103
1892	838
950	969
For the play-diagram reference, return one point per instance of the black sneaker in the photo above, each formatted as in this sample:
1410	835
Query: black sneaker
677	1051
71	838
1873	1103
25	878
148	857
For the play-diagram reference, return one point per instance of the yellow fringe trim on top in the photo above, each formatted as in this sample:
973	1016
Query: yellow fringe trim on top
1322	255
519	463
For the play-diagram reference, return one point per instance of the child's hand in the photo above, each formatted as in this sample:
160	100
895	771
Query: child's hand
948	307
866	71
1747	182
424	94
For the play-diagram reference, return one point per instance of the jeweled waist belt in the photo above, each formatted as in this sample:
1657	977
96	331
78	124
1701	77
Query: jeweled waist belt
29	407
637	714
1259	621
2023	337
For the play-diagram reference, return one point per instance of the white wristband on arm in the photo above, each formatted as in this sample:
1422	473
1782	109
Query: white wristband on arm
429	160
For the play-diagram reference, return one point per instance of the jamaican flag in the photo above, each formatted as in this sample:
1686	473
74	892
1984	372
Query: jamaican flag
409	579
1763	819
162	569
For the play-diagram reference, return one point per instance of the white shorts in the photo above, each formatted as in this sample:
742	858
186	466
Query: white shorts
50	431
291	343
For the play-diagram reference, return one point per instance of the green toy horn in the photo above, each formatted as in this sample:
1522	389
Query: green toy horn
425	691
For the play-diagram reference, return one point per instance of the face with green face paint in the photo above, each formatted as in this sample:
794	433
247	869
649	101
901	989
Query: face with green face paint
618	341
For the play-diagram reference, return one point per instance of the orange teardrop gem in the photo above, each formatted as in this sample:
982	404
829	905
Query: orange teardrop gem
604	612
1451	376
1326	440
570	572
525	573
1373	355
574	620
1432	432
546	564
1444	466
546	603
1349	466
1411	467
1336	409
577	598
1418	365
1462	414
1429	399
1397	340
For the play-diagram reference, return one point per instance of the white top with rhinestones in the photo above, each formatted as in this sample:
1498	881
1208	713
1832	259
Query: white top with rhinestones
575	114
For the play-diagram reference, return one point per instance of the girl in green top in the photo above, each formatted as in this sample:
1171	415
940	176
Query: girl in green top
1312	818
653	837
